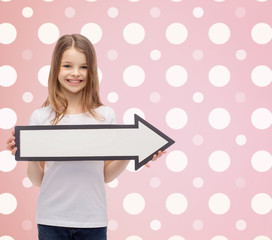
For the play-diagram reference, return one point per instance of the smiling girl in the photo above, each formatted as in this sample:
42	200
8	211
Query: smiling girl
72	199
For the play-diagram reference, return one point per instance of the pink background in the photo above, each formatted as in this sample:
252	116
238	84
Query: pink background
215	182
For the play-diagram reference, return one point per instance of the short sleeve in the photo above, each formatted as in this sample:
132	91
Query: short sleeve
34	118
111	116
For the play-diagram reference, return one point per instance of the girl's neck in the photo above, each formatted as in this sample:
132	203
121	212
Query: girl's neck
74	104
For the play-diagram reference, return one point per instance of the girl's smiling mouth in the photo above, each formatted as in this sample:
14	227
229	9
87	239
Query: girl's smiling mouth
74	81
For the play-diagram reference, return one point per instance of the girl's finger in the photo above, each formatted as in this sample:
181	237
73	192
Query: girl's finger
147	165
10	146
14	151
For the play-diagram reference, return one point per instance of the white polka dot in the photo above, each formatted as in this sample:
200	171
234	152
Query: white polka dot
131	167
155	54
155	12
261	76
219	203
114	183
241	225
219	0
27	225
219	161
241	140
240	182
176	0
261	161
261	203
27	183
128	116
240	12
176	161
134	33
8	33
7	161
198	97
134	203
155	225
176	203
48	0
92	31
134	237
134	76
27	12
176	237
198	225
113	12
198	12
261	0
27	54
8	118
198	182
100	74
219	238
176	118
219	33
240	97
8	203
155	97
176	76
134	0
48	33
261	118
198	140
176	33
113	97
219	118
112	54
155	182
219	76
6	237
262	237
6	0
8	76
261	33
27	97
70	12
241	54
112	225
91	0
43	75
198	54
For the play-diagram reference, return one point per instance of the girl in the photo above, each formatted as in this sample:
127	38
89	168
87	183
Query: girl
72	201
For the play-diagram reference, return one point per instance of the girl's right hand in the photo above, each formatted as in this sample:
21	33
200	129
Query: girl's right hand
11	144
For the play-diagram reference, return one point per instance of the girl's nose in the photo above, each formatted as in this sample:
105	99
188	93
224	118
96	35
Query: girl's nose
75	72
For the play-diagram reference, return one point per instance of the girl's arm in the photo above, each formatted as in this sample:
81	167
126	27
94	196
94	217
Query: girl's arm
112	169
35	171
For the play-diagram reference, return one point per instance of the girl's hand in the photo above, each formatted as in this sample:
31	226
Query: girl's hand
11	144
155	157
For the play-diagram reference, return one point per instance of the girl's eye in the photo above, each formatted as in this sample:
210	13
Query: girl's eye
84	67
67	66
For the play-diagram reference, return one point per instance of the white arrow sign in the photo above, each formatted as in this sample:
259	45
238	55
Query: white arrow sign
91	142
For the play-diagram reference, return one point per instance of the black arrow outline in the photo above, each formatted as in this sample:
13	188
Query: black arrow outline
137	119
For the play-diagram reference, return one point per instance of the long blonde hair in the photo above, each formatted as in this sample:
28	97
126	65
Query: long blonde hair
90	94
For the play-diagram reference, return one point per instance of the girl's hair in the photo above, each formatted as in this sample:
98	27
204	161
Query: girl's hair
90	94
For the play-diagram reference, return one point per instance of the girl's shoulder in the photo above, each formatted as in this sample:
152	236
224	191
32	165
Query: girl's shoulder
42	115
107	112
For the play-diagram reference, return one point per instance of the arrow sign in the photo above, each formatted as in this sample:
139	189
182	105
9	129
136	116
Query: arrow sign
91	142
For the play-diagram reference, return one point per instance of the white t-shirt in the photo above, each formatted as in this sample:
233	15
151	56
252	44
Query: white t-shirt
72	193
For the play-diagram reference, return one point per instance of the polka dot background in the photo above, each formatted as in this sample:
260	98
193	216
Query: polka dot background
198	70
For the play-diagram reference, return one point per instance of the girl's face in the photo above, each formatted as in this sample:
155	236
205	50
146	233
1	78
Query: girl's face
73	71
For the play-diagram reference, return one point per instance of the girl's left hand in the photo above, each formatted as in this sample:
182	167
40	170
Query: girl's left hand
155	157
